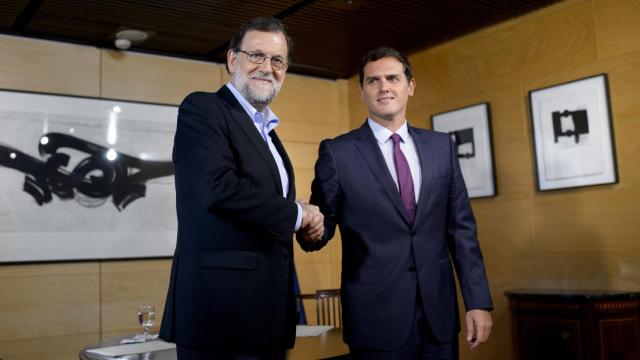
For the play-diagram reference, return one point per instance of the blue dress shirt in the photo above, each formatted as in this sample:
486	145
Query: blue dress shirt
265	122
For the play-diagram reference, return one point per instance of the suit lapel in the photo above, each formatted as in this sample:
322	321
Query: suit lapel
370	151
247	126
291	195
425	156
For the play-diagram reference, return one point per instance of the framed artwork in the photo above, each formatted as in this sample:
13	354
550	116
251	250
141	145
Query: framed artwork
470	129
573	134
85	178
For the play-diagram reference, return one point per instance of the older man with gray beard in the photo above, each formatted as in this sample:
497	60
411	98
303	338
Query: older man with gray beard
231	289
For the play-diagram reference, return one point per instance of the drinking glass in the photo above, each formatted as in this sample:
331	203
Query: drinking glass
146	318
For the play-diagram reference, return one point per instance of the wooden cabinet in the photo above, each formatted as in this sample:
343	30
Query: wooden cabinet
581	325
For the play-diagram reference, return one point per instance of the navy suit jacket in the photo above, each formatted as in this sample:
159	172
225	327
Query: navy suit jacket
231	284
385	259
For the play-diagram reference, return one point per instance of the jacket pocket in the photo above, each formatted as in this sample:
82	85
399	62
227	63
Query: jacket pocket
244	260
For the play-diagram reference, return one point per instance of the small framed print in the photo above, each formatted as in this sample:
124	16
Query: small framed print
470	129
573	134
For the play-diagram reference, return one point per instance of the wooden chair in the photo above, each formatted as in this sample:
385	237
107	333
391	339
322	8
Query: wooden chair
328	306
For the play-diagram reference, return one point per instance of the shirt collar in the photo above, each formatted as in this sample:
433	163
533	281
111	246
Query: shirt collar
382	134
270	119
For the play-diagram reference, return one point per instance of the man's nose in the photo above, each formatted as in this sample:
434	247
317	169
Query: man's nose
266	66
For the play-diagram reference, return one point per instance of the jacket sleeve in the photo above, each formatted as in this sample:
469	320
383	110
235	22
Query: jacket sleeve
205	157
463	241
326	194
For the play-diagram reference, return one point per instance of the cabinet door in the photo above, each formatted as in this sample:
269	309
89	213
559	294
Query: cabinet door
549	338
619	338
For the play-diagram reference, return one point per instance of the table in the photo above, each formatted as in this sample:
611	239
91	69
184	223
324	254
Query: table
575	324
326	345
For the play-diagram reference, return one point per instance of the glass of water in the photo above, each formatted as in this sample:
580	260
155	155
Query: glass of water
146	318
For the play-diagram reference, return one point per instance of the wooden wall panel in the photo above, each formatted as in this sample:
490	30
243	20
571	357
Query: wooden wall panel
618	26
45	66
306	99
587	222
432	71
357	110
51	348
629	265
576	272
48	300
557	41
127	284
303	155
131	76
311	133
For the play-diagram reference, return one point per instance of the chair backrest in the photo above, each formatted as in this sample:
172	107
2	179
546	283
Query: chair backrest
329	307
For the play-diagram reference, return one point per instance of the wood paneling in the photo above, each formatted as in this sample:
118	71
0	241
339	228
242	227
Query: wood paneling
44	66
587	222
558	38
618	26
52	348
303	156
48	300
127	284
132	76
306	99
357	109
308	132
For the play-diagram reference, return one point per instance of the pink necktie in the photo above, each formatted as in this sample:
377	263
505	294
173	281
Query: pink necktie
405	181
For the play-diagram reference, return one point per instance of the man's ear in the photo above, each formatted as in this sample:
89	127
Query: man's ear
232	56
412	86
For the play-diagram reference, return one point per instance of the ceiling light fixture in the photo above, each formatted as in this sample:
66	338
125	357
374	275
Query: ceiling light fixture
125	38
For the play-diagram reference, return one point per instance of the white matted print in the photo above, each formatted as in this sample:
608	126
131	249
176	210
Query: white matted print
470	129
573	134
85	178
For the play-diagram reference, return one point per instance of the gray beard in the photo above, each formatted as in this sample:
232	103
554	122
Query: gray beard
258	100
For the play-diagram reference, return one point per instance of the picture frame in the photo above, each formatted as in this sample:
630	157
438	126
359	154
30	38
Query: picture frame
470	129
573	137
85	178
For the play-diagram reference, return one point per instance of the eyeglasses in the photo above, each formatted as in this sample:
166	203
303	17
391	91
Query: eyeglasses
277	62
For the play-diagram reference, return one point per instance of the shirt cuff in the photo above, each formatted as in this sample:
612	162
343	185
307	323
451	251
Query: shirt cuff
299	218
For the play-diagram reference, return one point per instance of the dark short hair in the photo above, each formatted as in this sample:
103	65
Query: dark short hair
383	52
267	24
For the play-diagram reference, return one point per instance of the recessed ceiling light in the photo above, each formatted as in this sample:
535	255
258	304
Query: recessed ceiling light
125	38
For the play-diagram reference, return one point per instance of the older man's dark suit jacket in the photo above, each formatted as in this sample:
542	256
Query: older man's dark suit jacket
231	279
384	257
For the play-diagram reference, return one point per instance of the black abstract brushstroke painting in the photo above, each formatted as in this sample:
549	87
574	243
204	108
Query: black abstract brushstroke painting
463	137
579	120
92	181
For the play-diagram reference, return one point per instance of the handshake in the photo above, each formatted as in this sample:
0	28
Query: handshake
312	226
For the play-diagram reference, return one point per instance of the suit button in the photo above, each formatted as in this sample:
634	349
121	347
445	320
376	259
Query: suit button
412	268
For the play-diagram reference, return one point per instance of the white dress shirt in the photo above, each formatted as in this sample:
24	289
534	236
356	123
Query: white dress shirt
408	147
